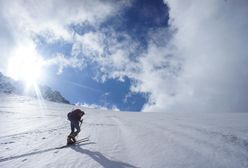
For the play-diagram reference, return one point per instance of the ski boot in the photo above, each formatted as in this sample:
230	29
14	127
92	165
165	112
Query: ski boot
71	138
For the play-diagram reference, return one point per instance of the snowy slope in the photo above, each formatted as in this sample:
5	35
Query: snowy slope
10	86
30	133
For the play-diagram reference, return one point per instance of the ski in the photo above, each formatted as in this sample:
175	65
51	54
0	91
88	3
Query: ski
77	142
84	139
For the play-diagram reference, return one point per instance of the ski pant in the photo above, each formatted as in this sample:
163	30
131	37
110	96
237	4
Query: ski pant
75	125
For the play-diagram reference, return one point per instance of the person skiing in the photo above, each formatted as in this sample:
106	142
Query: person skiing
75	118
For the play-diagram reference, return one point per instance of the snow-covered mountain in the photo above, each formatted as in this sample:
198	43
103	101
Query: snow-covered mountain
10	86
30	133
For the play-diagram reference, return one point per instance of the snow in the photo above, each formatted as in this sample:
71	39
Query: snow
10	86
30	131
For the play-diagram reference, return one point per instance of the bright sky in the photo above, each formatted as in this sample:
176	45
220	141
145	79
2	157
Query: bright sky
135	55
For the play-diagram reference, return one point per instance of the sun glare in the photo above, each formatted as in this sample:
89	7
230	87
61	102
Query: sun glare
25	65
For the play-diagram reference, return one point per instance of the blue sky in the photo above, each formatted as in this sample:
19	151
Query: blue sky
79	85
131	55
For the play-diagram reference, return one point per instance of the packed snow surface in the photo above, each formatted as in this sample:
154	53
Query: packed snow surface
31	131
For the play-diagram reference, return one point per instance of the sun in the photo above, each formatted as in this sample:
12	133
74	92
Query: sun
25	65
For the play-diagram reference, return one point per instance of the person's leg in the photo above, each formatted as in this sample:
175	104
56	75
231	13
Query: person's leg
72	127
71	138
74	124
77	127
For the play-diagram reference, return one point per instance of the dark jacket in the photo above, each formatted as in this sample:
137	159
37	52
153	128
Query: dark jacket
75	115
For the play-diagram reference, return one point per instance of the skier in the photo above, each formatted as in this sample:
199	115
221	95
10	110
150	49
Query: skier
75	119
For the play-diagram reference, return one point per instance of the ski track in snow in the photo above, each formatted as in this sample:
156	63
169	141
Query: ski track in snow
31	134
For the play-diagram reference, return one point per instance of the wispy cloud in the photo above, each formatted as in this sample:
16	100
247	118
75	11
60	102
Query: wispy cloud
23	20
62	62
95	106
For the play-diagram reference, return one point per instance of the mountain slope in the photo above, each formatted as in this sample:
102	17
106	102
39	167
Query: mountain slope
10	86
30	134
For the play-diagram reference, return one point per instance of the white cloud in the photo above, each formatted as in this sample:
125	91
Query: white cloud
95	106
53	15
158	73
202	67
22	20
64	62
92	41
211	39
109	54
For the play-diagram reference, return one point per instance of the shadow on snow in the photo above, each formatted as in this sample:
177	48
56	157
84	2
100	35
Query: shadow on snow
101	159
